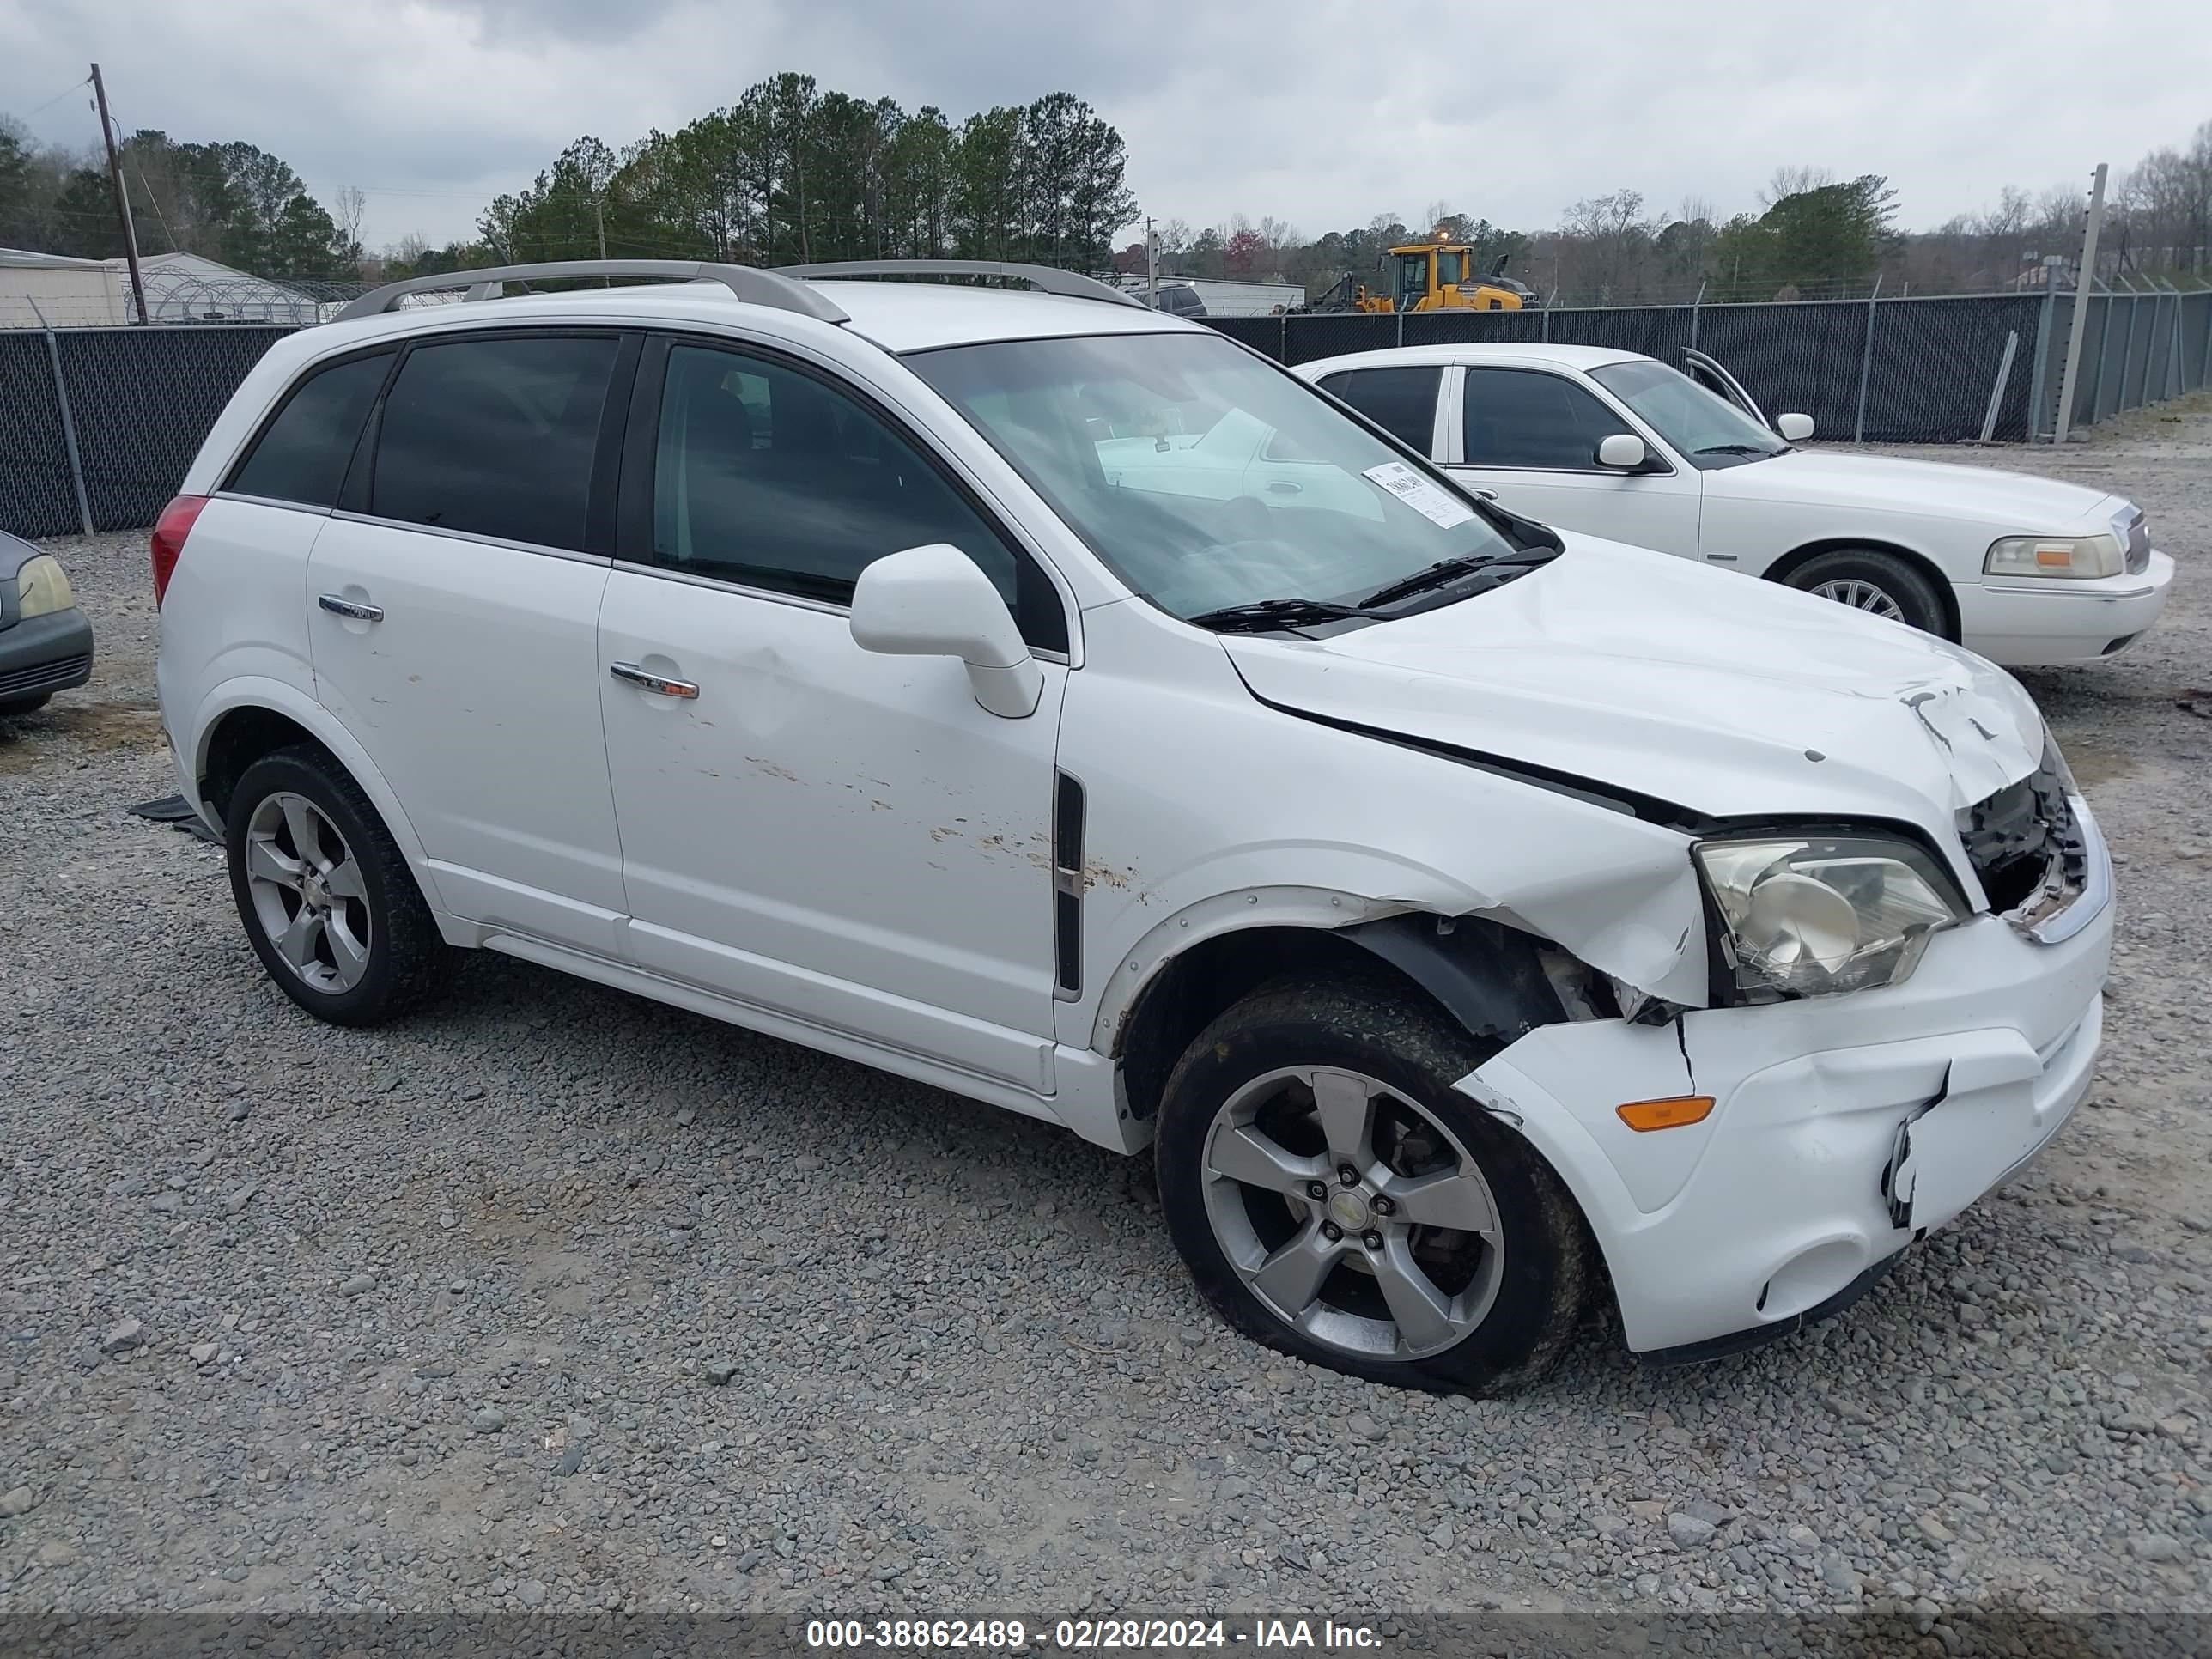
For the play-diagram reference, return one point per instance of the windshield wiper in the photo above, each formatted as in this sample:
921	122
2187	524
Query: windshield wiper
1445	572
1274	613
1736	449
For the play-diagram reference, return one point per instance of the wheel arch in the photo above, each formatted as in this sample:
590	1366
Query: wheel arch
1482	974
1797	557
243	720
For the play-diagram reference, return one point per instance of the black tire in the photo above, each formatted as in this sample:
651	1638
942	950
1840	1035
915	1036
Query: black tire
1902	583
408	963
26	705
1416	1053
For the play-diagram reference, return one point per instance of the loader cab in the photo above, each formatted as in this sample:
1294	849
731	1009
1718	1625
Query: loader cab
1413	287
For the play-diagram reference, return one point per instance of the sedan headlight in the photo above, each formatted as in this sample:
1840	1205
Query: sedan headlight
1813	916
41	588
2077	556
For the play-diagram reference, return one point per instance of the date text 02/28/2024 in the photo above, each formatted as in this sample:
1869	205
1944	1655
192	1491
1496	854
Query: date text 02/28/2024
1089	1635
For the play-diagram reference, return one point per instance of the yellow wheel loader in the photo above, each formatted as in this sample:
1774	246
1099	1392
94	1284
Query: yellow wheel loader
1438	275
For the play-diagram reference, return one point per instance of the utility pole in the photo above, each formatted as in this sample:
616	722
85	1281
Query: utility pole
599	218
1151	266
122	198
2081	320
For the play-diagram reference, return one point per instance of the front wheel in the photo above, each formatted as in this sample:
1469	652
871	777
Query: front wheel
1881	584
1336	1198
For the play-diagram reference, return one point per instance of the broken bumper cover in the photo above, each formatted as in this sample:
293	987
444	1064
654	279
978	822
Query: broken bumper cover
1844	1128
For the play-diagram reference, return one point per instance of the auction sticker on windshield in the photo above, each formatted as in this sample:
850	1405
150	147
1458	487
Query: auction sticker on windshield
1431	502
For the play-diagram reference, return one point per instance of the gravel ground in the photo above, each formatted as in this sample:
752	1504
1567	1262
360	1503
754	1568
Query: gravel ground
556	1298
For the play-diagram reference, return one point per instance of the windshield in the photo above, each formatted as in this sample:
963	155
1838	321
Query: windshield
1707	429
1203	477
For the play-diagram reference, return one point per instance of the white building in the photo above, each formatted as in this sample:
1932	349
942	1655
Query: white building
50	290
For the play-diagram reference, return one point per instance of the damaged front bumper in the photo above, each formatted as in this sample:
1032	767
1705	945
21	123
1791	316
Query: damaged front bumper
1844	1129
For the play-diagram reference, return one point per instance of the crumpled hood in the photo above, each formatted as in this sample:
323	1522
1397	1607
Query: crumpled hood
1731	697
2004	500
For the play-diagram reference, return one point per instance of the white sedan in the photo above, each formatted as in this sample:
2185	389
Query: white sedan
2025	571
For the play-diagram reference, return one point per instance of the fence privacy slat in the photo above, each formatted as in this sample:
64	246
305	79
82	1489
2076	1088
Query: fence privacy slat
144	398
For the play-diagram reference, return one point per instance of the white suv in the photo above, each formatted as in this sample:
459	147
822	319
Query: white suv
1053	700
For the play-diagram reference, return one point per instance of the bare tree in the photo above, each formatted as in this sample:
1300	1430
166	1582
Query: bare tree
1794	181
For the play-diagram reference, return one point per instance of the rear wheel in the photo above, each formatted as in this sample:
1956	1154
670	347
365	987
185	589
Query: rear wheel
1335	1197
329	903
1881	584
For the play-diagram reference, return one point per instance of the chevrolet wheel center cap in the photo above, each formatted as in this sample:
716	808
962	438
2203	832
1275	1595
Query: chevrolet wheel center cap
1349	1211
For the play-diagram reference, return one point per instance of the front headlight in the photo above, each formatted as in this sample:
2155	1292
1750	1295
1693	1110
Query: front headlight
41	588
1813	916
2078	556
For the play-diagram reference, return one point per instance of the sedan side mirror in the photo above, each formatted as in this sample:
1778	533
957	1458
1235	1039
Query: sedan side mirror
1623	451
933	602
1795	428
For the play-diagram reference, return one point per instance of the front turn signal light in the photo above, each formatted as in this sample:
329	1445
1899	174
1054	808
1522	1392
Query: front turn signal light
1673	1113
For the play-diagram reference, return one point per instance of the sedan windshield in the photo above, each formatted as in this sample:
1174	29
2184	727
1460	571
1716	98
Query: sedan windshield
1707	429
1207	480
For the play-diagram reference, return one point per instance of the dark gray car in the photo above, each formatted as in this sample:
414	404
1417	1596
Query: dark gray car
45	643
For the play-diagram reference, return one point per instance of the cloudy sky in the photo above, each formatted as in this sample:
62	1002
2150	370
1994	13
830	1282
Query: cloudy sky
1323	113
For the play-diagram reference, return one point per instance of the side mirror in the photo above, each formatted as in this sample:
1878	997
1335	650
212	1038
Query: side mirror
1795	428
933	602
1623	450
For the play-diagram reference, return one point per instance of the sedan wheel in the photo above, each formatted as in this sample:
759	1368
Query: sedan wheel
1860	596
307	892
1872	579
1352	1215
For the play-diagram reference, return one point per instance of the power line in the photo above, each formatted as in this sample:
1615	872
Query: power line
57	97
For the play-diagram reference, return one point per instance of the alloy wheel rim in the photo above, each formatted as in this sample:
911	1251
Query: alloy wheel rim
1862	596
307	893
1352	1213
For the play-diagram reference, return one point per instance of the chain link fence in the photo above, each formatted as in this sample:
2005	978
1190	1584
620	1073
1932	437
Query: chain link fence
1924	369
97	425
2139	347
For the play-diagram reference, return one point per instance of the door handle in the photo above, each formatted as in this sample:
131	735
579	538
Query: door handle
630	674
1283	487
359	612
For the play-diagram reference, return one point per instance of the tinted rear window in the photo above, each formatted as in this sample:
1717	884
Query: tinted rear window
302	455
495	436
1401	401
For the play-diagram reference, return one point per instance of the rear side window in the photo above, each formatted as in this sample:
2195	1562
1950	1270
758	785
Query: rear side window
301	455
1401	401
1526	417
496	437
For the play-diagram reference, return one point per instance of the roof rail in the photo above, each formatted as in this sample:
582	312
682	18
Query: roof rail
754	287
1047	277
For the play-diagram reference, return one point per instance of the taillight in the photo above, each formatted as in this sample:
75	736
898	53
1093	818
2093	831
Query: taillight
169	532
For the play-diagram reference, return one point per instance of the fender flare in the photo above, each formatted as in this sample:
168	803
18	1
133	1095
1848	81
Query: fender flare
256	691
1457	958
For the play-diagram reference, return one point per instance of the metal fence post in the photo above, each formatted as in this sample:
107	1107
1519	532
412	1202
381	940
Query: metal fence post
1402	328
69	430
1866	363
2035	410
1694	304
1544	322
2173	387
1997	391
